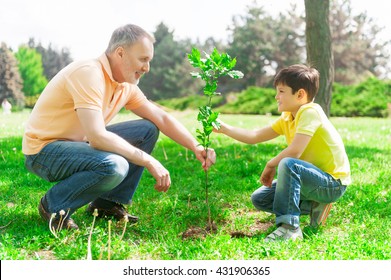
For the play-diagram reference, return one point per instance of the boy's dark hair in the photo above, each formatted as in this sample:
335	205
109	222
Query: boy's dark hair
299	76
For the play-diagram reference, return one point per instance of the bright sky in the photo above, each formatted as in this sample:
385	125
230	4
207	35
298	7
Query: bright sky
85	26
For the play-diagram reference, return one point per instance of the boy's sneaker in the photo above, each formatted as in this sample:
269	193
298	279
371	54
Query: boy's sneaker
282	233
319	213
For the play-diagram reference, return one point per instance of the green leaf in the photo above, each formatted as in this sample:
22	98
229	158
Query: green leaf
216	125
195	75
235	74
194	57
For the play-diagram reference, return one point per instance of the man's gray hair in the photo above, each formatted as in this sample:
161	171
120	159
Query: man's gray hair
126	35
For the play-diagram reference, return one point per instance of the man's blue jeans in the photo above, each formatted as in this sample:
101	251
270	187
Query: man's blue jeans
298	184
85	174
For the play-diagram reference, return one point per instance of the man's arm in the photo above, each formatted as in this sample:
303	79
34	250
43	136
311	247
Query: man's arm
174	129
101	139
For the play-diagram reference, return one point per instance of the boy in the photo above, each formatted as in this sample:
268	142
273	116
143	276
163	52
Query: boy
313	171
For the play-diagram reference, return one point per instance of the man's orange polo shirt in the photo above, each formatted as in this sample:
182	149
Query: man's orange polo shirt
86	84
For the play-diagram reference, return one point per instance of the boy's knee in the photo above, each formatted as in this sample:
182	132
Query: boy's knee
285	162
258	200
263	198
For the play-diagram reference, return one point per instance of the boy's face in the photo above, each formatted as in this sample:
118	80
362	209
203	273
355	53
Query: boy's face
286	100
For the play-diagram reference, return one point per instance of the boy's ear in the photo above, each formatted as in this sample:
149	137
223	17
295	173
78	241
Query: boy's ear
301	93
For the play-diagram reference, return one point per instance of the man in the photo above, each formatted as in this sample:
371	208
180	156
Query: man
67	139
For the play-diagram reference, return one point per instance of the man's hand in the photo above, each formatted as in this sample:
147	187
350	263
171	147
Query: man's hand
207	159
161	175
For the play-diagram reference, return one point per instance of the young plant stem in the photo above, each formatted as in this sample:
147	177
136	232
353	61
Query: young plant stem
206	177
207	198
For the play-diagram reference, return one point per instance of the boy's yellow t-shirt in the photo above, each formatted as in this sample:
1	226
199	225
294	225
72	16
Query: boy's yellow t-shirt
325	149
86	84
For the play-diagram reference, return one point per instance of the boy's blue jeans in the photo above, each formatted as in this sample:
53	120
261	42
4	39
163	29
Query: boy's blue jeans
298	184
84	173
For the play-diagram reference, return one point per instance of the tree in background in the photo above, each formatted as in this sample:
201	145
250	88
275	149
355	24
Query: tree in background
319	48
52	60
10	81
31	70
358	53
168	76
265	44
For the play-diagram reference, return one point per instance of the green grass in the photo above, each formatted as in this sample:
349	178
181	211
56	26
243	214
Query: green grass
358	228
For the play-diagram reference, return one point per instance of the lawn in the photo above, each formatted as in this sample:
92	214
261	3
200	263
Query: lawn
172	225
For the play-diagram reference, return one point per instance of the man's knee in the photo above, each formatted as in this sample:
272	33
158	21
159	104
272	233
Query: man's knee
116	168
153	130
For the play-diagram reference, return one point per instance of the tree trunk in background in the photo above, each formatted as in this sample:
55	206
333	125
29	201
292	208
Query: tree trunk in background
319	48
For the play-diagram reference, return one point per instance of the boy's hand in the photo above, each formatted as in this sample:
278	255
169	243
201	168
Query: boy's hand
222	127
267	176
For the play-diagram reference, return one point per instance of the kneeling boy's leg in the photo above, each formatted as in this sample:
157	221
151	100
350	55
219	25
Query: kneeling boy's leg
263	198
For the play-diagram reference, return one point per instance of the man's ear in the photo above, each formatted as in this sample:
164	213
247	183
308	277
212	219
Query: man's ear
120	51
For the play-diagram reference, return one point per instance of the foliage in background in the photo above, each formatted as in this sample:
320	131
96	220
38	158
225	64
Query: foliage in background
253	100
31	71
263	44
190	102
370	98
358	52
169	73
11	83
255	37
52	60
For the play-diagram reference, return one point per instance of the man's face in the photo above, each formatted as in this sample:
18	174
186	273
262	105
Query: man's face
133	61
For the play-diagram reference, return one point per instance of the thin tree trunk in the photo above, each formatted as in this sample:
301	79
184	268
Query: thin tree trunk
319	48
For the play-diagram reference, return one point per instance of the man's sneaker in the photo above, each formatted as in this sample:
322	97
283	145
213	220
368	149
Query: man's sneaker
282	233
57	223
118	211
319	213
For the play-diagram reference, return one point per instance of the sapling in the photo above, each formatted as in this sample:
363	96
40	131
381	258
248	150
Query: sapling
211	68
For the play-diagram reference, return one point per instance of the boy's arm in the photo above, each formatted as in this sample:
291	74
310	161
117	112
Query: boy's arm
245	135
294	150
